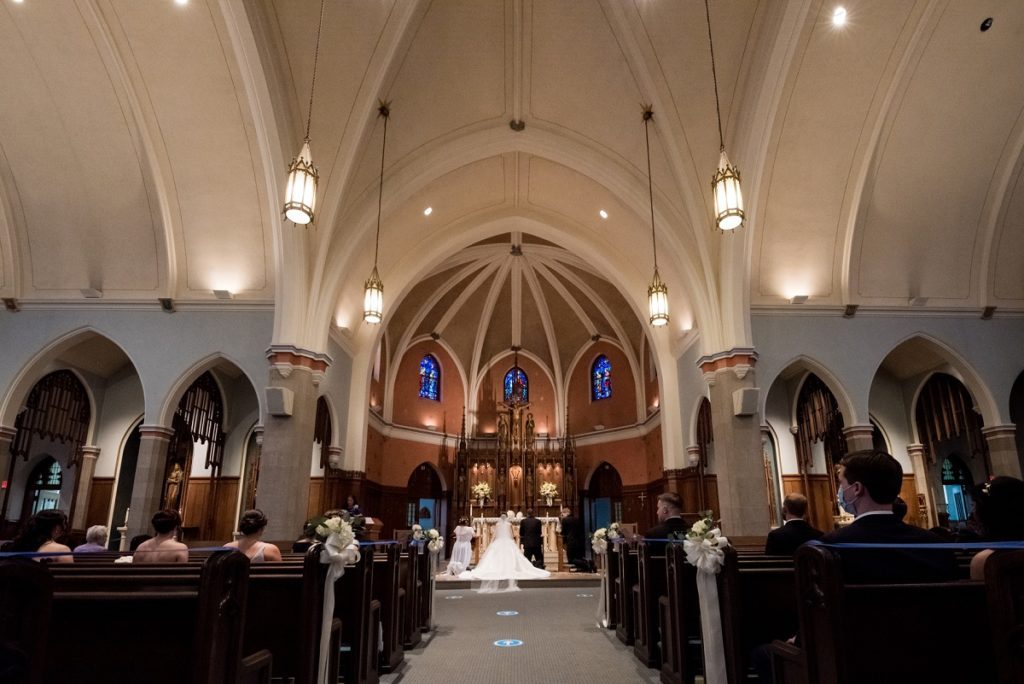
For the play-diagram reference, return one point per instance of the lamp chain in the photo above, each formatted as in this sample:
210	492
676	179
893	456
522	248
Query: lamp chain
648	115
714	77
316	58
384	112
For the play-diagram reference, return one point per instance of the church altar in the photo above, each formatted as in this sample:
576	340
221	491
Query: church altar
550	529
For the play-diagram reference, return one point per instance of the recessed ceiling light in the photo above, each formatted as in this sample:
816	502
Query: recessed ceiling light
180	2
603	213
839	16
223	294
428	211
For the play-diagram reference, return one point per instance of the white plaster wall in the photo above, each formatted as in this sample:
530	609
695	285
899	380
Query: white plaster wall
691	388
890	410
122	406
314	467
777	414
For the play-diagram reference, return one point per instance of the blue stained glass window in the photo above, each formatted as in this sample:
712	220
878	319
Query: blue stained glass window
601	378
516	382
430	378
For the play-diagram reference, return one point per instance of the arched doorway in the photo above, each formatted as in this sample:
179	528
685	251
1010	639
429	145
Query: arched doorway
125	481
957	484
603	500
950	429
425	501
42	491
55	424
820	446
1017	414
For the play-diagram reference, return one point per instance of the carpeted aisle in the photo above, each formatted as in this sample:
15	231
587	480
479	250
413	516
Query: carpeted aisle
561	642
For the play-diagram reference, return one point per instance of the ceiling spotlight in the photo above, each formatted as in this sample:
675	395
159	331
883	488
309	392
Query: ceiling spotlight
167	304
917	301
986	313
223	294
428	211
91	293
850	311
603	214
798	299
181	2
839	16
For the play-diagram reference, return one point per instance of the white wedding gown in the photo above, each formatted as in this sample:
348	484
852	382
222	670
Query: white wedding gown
503	561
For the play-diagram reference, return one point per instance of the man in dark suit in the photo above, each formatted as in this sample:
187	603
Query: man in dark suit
530	537
670	520
795	529
572	539
869	482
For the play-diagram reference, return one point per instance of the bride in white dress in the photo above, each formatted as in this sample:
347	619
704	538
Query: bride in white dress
503	561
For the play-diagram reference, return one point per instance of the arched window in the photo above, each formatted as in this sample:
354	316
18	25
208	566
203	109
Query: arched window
517	384
430	378
601	378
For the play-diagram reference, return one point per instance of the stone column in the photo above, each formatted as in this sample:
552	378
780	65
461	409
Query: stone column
6	438
148	488
86	469
859	437
736	421
283	486
917	461
1002	449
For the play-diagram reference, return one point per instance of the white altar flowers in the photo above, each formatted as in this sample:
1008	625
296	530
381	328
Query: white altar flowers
548	490
481	490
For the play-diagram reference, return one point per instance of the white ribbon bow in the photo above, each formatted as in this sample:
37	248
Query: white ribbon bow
335	555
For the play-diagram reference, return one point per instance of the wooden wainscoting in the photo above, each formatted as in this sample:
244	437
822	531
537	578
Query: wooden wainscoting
196	501
820	498
100	493
316	493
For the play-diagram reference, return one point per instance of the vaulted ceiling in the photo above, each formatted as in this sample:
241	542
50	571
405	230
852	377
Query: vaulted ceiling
143	146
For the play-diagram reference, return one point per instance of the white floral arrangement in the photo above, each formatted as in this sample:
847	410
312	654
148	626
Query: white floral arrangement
599	540
548	489
337	532
417	533
481	490
511	515
614	531
435	542
519	516
705	545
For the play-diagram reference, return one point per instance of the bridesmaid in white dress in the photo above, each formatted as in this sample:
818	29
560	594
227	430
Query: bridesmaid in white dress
462	551
503	561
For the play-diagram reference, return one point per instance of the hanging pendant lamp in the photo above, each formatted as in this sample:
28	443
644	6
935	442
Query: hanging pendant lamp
373	295
725	184
300	190
657	292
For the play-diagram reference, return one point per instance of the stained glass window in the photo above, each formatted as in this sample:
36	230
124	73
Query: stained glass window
517	383
430	378
601	378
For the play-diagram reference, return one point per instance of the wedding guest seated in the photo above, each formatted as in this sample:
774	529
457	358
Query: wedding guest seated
670	520
795	529
40	534
462	550
999	508
302	544
251	543
163	548
869	482
95	540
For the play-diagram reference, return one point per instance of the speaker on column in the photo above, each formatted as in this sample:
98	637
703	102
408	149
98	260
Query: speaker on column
280	401
744	401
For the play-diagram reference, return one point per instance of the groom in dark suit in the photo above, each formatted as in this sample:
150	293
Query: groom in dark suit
530	537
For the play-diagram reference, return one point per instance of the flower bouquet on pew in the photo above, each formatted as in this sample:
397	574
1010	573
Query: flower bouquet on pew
417	533
435	542
704	544
604	535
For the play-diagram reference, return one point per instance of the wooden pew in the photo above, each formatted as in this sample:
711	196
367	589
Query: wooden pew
680	619
611	567
174	628
651	586
426	595
1004	588
360	620
409	569
26	596
628	571
884	632
757	604
391	595
284	614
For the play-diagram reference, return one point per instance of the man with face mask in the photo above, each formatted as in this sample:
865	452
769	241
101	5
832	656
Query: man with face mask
869	482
